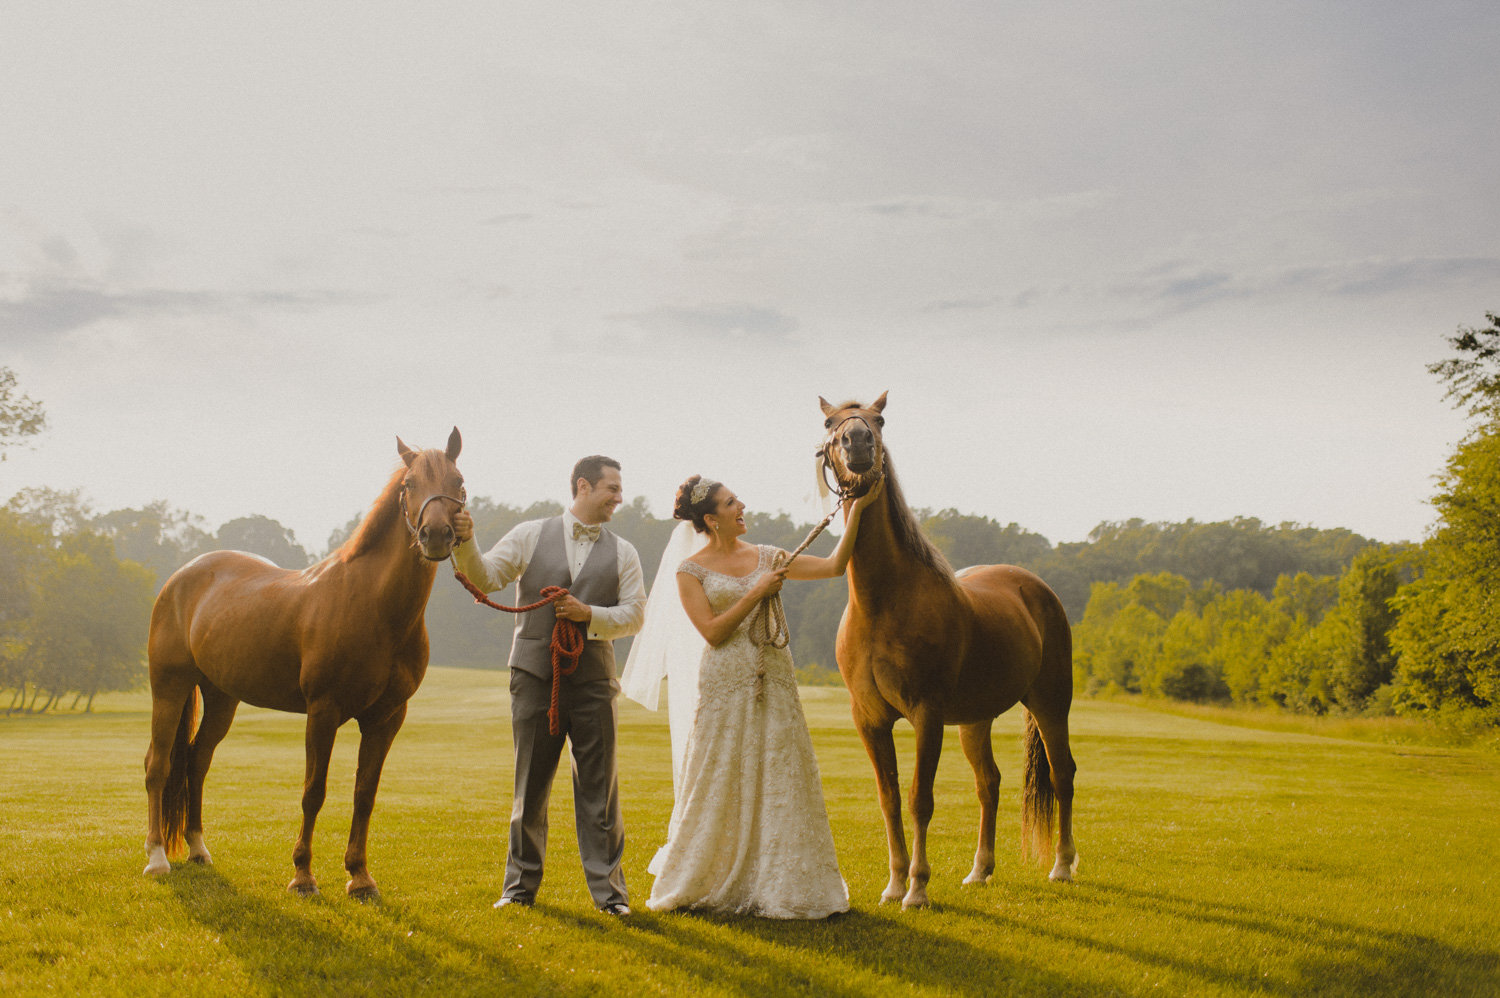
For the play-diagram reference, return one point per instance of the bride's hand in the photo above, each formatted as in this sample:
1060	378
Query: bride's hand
769	584
871	495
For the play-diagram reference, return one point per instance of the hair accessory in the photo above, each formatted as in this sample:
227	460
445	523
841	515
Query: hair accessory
703	489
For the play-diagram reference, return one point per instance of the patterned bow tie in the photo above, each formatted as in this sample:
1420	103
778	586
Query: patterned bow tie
580	532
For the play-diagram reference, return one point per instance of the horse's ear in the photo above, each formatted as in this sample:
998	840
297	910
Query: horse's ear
455	444
827	409
879	404
407	454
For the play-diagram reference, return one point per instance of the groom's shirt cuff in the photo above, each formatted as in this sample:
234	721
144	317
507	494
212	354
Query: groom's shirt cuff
626	617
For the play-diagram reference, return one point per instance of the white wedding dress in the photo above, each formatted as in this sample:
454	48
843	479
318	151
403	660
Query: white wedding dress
749	832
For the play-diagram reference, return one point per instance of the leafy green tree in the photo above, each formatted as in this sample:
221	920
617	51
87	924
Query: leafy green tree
156	536
58	513
1297	675
1447	634
23	547
1186	667
978	540
1249	629
1363	662
20	415
1306	595
87	630
263	536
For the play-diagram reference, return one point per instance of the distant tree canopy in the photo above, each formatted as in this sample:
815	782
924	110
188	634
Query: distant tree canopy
1236	610
1415	631
1317	643
263	536
73	617
21	416
1242	553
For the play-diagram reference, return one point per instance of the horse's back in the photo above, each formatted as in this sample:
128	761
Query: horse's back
1019	624
233	616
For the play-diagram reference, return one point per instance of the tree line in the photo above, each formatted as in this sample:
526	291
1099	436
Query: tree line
1240	611
1399	629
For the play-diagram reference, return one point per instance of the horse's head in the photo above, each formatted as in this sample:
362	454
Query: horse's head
431	493
852	446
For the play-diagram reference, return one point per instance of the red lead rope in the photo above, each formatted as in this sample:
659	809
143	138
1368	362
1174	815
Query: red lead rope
567	640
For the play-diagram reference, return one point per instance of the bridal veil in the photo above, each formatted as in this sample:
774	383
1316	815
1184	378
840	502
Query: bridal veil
668	647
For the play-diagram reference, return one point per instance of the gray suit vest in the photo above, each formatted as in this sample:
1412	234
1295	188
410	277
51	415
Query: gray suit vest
598	584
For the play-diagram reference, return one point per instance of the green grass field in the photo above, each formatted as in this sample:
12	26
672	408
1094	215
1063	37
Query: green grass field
1216	860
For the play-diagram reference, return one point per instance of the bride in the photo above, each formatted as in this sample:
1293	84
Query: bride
749	831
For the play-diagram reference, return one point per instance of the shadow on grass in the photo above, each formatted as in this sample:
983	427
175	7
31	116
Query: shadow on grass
324	946
834	957
1342	957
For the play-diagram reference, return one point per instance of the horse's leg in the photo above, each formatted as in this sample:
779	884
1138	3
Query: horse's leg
928	725
323	721
377	729
218	714
975	739
882	749
1052	722
172	691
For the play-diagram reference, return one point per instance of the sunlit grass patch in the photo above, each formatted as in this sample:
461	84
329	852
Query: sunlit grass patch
1217	860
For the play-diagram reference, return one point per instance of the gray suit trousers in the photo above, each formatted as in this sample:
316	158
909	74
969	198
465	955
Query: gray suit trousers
588	722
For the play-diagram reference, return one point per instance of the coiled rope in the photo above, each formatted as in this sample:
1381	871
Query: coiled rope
768	628
567	640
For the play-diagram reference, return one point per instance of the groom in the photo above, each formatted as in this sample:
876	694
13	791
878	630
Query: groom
607	595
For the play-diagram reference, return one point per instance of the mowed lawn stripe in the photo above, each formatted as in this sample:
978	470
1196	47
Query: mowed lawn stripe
1217	860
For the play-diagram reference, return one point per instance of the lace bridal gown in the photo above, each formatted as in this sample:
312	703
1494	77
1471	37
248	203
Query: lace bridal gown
749	831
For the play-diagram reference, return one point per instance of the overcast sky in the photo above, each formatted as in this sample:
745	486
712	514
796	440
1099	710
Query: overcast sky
1163	260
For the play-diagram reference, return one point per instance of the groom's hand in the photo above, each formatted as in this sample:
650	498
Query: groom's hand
569	608
463	526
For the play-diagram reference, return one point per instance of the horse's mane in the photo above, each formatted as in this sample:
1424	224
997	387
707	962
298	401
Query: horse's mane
383	512
906	530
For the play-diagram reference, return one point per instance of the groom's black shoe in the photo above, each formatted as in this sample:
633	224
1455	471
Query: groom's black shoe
507	902
619	909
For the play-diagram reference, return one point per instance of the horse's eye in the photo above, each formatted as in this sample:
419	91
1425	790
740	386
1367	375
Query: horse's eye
879	420
828	423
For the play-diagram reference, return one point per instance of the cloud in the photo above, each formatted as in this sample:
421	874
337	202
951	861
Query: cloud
1048	208
39	307
960	304
1177	289
737	319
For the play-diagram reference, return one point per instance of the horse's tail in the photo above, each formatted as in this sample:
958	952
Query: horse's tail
1038	802
174	796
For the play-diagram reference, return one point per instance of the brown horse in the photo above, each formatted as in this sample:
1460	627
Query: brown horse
919	642
342	639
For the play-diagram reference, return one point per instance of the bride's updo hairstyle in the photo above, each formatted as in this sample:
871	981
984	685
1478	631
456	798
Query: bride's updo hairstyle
704	491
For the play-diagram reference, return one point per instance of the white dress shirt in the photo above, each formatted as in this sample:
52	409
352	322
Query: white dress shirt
507	560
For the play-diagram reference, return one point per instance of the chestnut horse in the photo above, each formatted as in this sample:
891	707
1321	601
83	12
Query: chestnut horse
342	639
921	642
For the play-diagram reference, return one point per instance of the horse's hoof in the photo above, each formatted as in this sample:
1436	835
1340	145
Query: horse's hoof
156	862
1063	872
914	900
977	879
197	851
303	888
364	893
